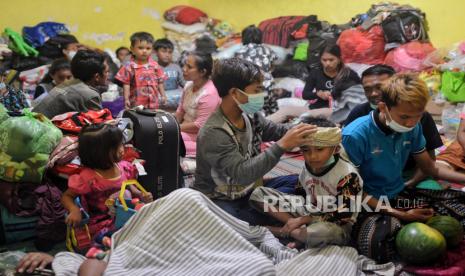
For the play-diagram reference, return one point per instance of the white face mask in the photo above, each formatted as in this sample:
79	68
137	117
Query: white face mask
373	106
396	126
71	54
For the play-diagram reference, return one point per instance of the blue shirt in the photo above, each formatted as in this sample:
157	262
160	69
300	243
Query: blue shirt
380	153
175	79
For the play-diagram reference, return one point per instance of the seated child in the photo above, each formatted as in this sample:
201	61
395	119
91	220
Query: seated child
142	77
100	150
454	156
12	99
122	54
330	183
59	72
174	77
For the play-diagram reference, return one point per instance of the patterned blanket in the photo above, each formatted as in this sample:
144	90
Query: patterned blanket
185	233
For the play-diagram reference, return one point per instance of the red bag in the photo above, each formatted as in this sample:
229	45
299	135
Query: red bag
184	14
409	56
277	31
359	46
74	121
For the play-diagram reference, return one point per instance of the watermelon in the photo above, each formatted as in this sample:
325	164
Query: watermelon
419	244
449	227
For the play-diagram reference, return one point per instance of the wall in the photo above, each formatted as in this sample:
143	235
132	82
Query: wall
109	23
101	23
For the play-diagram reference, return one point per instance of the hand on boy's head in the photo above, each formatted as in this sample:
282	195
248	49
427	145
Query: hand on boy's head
296	136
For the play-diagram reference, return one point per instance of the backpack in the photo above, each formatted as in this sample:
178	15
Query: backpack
402	26
277	31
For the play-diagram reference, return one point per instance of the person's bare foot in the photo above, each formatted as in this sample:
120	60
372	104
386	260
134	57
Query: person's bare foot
295	244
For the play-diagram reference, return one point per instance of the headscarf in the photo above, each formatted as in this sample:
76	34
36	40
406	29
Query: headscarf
325	137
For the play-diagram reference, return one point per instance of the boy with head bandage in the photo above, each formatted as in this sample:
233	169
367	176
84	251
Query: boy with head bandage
328	211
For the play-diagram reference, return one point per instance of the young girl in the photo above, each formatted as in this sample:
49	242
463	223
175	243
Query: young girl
100	150
59	72
142	78
323	85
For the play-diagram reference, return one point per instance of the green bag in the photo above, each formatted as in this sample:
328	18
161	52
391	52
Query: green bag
25	145
3	114
301	51
453	86
24	136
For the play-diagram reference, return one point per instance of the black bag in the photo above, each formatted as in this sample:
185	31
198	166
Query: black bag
157	135
21	63
277	31
318	40
375	236
403	26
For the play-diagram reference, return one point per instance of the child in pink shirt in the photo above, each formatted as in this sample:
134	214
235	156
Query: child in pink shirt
142	77
100	150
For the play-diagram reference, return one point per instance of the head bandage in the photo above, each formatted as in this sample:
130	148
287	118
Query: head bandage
325	137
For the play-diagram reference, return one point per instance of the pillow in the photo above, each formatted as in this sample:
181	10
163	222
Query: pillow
184	14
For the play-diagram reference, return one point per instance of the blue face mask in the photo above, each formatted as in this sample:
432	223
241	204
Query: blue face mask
2	85
373	106
255	102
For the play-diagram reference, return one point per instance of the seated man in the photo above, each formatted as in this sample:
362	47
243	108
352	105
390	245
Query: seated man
372	79
230	163
90	71
380	143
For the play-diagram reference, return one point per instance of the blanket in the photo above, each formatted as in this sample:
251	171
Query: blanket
185	233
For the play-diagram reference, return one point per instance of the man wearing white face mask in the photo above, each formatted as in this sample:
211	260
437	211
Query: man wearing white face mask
372	79
230	163
380	143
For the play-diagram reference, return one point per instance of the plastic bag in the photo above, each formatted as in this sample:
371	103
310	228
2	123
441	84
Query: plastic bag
25	136
451	120
3	113
43	31
8	262
453	86
448	59
358	46
301	51
432	80
409	57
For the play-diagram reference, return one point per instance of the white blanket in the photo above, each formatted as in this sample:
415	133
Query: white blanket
185	233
